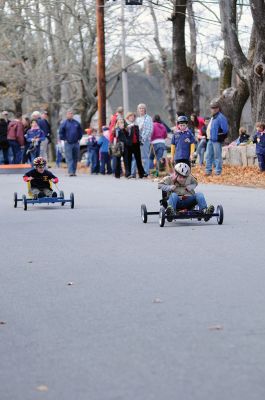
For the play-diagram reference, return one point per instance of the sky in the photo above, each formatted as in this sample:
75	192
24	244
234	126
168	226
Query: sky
139	30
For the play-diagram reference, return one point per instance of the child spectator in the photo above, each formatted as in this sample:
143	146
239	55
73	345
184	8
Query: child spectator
119	141
92	151
202	141
40	178
259	139
243	136
158	140
34	136
104	156
182	143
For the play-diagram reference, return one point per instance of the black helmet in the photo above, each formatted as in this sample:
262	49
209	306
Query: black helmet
182	119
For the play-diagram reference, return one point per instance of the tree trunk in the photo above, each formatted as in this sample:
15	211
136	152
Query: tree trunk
232	103
250	69
193	46
168	86
182	74
226	69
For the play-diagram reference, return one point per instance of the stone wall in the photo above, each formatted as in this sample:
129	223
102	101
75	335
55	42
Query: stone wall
243	155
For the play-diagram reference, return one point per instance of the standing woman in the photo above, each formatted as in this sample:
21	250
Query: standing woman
196	124
133	145
158	140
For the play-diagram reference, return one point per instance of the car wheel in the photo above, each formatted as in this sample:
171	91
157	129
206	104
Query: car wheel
220	216
24	199
15	199
144	213
162	217
72	200
83	156
61	194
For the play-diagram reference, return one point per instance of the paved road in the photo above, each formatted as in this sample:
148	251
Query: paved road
152	314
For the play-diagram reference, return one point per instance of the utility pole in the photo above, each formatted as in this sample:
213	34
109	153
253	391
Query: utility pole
125	91
101	77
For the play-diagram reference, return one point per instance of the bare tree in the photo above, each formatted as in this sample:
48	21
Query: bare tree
193	58
182	73
164	68
251	67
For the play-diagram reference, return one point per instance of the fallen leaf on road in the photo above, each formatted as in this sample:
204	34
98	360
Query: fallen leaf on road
42	388
215	328
157	300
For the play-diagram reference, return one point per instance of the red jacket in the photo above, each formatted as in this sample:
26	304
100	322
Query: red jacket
15	131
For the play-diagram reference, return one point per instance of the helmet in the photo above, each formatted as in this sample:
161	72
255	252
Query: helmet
182	119
182	169
39	162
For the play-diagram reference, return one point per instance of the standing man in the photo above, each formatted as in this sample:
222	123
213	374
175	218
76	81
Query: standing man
71	132
217	131
145	123
15	136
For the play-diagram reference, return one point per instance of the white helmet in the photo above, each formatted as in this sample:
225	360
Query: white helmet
182	169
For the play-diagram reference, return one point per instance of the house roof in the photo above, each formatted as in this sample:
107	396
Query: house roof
142	89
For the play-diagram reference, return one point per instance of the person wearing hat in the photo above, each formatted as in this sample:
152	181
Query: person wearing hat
217	131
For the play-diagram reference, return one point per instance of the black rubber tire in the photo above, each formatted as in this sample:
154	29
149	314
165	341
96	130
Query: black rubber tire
15	199
82	155
162	217
144	213
220	217
72	200
61	194
24	199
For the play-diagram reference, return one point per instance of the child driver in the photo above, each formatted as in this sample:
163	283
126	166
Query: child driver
181	186
40	178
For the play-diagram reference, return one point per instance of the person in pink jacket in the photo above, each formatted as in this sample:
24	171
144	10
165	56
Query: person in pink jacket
158	140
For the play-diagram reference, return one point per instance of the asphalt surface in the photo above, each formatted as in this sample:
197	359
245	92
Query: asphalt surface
96	305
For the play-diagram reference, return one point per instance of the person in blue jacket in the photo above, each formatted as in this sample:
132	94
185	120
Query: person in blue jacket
259	139
217	131
182	142
104	156
71	132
